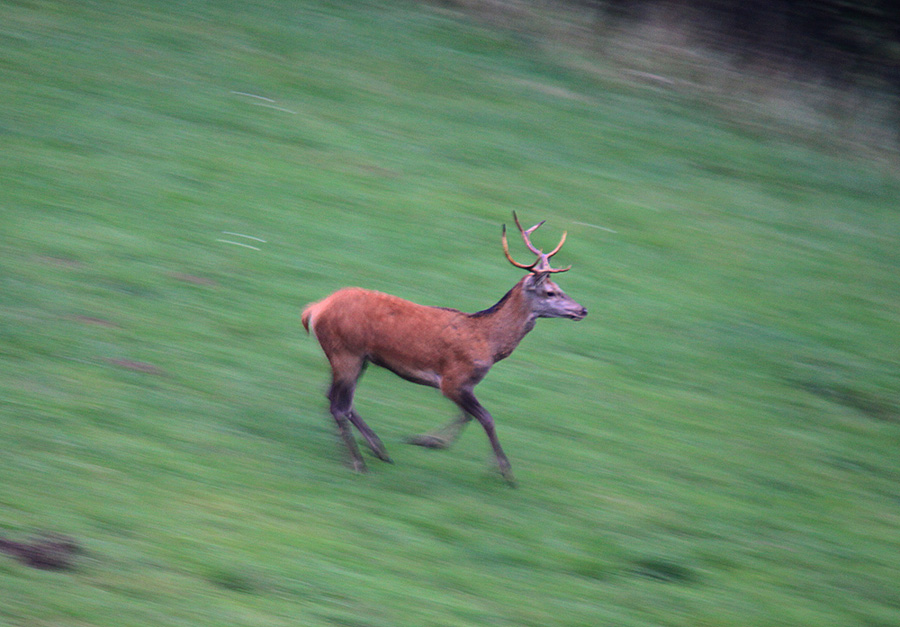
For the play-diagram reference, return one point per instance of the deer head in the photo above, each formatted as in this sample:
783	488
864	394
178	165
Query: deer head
546	298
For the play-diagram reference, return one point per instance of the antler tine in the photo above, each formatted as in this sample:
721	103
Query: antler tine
543	266
526	234
558	246
509	257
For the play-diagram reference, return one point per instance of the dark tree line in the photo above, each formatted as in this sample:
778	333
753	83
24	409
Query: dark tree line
843	39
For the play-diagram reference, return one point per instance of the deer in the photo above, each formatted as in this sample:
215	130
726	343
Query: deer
434	346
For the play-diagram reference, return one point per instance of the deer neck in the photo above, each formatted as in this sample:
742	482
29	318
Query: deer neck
506	323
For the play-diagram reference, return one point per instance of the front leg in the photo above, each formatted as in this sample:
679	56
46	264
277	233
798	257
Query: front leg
442	437
469	404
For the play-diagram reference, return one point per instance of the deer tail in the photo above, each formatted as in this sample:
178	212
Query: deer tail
307	317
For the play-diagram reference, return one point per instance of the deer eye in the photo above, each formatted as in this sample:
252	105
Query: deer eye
551	293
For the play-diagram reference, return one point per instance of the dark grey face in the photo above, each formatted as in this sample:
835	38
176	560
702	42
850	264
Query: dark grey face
549	301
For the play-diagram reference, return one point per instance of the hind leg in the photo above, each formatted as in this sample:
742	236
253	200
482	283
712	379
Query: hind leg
370	437
346	371
341	397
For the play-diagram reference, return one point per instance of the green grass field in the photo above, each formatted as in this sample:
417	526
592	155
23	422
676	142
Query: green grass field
716	444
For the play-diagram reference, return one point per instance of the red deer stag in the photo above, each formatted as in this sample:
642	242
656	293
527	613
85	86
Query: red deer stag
435	346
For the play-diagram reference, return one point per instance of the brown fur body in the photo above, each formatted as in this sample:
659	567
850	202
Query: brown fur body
426	345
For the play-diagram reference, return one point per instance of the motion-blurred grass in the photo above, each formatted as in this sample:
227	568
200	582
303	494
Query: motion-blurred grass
714	445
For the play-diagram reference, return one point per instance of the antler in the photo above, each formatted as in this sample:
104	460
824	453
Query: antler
526	235
542	263
508	256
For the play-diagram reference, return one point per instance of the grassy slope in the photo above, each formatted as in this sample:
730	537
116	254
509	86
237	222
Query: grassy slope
715	444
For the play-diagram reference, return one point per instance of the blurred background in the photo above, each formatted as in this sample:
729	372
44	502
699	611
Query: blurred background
715	444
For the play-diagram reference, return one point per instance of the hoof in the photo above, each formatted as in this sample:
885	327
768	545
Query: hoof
506	472
428	441
383	456
358	466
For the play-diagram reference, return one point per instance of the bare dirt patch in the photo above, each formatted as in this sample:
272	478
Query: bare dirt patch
64	262
47	552
137	366
94	320
193	279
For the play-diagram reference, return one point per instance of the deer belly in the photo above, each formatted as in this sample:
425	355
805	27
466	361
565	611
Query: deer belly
422	376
